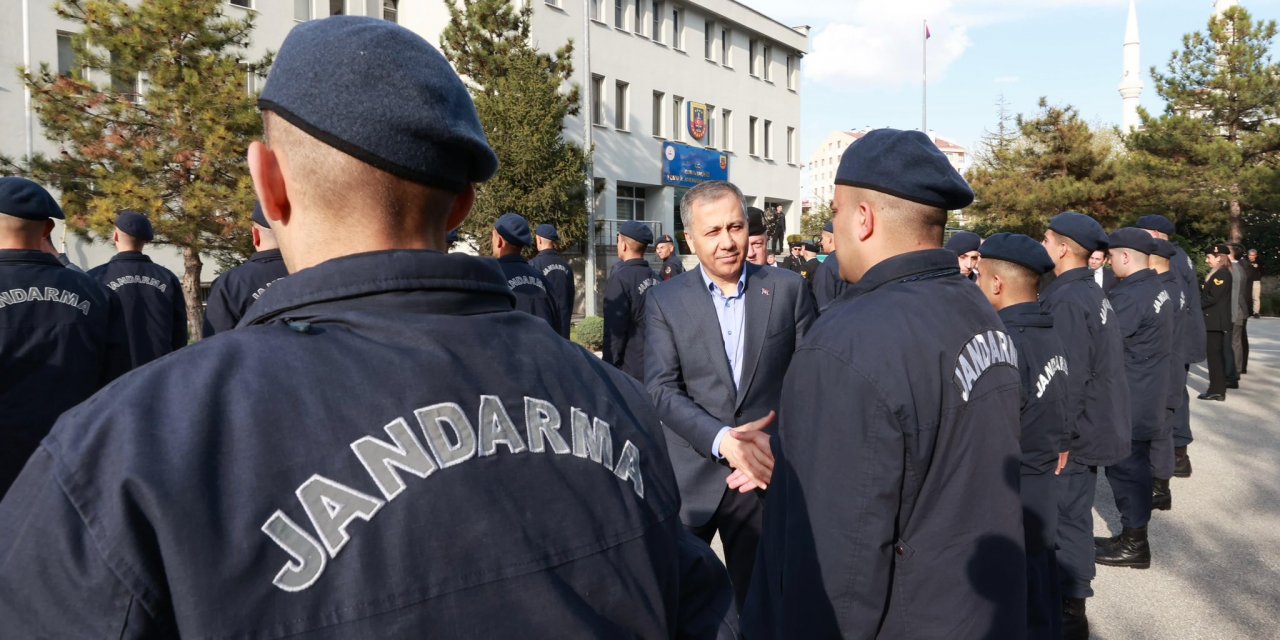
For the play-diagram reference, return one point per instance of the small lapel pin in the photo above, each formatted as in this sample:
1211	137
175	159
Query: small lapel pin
764	292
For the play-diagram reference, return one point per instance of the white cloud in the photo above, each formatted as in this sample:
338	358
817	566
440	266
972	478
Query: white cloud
878	42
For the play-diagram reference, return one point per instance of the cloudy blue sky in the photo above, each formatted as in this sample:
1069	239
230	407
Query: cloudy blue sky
863	68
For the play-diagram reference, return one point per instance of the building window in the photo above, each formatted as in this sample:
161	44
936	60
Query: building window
630	203
597	100
337	7
252	81
765	61
768	139
677	108
66	55
791	73
710	139
658	101
302	10
677	29
751	136
708	40
725	48
621	94
639	18
791	145
752	67
619	14
243	4
391	10
726	131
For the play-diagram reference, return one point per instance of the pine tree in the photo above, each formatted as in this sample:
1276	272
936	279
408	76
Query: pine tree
520	96
1055	162
160	126
1214	150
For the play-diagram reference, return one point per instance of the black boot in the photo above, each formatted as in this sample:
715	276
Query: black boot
1100	543
1075	624
1131	551
1161	495
1181	463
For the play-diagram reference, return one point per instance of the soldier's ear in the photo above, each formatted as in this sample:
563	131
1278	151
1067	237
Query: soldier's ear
864	220
268	182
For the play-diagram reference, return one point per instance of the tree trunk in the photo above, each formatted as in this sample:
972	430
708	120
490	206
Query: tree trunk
1236	232
191	291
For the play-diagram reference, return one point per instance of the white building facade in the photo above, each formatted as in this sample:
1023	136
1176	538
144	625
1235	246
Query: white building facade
821	170
714	80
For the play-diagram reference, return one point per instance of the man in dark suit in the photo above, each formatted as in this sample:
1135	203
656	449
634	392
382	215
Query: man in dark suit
717	338
1215	299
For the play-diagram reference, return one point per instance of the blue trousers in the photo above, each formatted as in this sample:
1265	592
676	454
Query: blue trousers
1040	524
1182	421
1131	484
1076	488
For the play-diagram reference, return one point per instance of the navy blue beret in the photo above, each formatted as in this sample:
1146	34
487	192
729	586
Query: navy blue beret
666	238
809	246
755	221
1132	238
1084	230
135	224
22	198
451	237
514	229
637	231
380	93
258	217
1018	249
795	245
828	227
1165	249
963	242
1157	222
904	164
549	232
1218	250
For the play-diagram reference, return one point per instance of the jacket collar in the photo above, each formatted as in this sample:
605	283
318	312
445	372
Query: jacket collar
464	284
1139	276
634	261
908	267
515	257
1026	314
270	255
12	256
1067	277
130	256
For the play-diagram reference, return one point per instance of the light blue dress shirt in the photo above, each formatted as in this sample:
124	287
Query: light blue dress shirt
731	312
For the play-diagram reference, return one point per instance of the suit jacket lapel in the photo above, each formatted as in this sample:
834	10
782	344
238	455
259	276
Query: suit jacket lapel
704	319
759	300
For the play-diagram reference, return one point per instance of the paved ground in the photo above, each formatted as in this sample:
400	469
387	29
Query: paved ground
1215	570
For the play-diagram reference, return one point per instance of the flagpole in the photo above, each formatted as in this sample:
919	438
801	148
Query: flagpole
924	80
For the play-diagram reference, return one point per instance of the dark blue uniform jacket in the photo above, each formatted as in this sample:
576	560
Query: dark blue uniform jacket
672	267
155	311
349	464
894	510
1098	393
61	339
827	283
1215	301
1145	312
559	277
1042	360
1170	282
233	291
624	297
532	291
1191	343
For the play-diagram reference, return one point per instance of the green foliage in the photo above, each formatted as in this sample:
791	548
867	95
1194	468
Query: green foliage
1212	155
1054	162
175	150
811	223
793	238
589	333
518	94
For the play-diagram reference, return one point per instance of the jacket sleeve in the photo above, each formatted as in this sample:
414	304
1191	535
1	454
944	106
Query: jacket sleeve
1079	342
119	359
218	313
806	312
617	312
54	580
706	609
664	379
